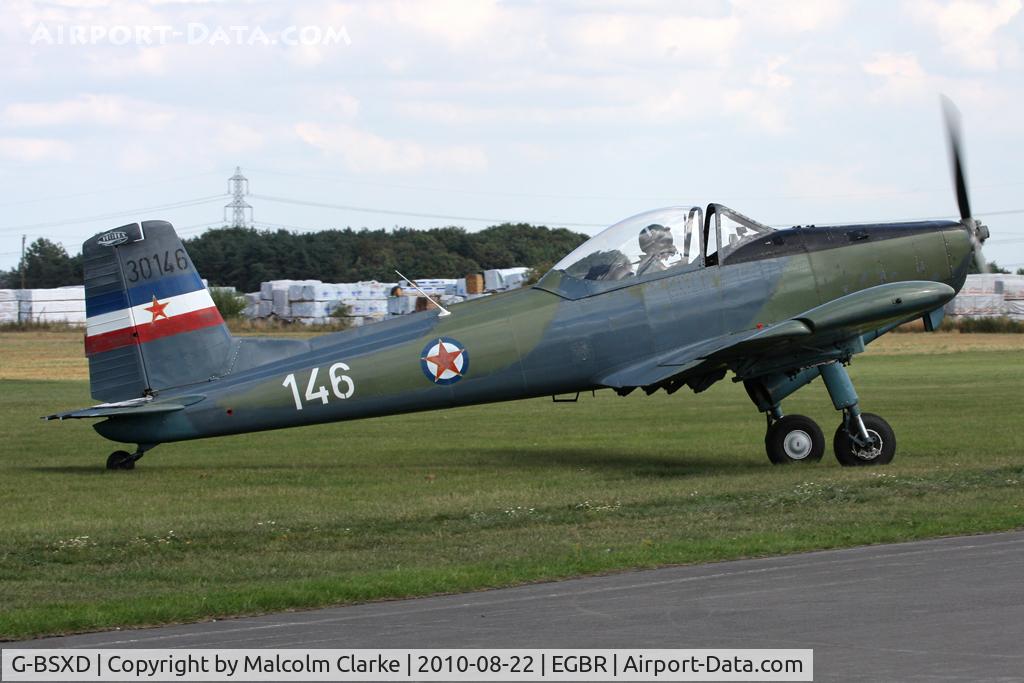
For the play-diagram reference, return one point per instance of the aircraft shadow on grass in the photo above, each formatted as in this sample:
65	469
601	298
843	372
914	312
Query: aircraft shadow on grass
621	461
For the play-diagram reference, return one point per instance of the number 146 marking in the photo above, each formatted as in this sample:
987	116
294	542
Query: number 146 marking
312	394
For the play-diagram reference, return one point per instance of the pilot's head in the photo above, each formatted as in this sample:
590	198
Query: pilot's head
656	239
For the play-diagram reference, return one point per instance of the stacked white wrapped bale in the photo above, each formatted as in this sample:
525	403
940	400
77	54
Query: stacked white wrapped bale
977	305
366	302
984	296
983	283
1013	287
1013	295
407	303
313	302
8	306
275	297
60	305
402	305
363	307
252	305
501	279
432	286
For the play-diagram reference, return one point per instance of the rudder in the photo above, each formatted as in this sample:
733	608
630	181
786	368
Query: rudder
151	323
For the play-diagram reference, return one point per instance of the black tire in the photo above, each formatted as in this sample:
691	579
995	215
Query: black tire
120	460
794	438
850	455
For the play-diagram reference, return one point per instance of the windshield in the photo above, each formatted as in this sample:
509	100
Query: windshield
643	244
733	230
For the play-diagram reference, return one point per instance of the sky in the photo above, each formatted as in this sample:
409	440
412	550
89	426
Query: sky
422	114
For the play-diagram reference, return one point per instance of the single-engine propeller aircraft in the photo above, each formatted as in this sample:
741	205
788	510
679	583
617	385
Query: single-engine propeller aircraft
672	297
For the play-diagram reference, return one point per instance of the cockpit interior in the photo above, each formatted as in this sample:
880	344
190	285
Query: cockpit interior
661	240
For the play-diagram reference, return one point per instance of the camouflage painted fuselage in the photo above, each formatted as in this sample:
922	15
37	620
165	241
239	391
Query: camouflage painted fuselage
565	335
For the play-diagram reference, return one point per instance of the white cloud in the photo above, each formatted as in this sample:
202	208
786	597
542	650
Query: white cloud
789	16
363	151
756	109
89	109
35	149
236	138
604	39
699	95
902	77
768	74
119	64
969	29
455	22
831	180
895	65
341	105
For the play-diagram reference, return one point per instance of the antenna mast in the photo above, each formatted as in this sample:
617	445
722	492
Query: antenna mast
21	265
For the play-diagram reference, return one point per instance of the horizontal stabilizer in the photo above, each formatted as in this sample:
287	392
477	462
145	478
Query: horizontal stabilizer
139	406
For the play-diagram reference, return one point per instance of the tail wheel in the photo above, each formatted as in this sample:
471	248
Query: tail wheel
879	452
794	438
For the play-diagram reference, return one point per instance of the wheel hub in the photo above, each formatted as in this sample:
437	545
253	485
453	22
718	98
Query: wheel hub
871	451
797	444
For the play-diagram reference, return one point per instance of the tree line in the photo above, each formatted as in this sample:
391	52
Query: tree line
245	257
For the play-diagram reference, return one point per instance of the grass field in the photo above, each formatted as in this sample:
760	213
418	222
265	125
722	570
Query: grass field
477	497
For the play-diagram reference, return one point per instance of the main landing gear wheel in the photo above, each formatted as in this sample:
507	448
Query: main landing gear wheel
880	451
121	460
794	438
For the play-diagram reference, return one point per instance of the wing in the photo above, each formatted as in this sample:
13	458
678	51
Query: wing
847	317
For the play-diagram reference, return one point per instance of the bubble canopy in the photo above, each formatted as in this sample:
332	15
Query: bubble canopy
646	243
659	240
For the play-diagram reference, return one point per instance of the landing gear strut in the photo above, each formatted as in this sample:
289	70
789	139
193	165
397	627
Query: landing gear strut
123	460
861	438
878	449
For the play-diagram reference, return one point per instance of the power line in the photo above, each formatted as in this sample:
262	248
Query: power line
88	219
199	227
416	214
108	189
675	198
1006	212
427	188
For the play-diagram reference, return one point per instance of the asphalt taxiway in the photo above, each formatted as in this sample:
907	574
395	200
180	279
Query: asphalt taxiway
945	609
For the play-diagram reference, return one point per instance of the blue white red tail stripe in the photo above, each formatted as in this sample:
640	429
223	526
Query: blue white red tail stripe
160	309
163	288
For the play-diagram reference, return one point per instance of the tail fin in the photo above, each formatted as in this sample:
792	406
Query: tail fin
151	323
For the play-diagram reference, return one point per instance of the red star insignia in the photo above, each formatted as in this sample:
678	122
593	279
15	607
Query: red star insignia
444	360
157	309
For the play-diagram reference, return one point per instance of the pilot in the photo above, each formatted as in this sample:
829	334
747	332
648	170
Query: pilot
657	247
608	265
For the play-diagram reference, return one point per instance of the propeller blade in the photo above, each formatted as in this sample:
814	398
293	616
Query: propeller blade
952	116
979	258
